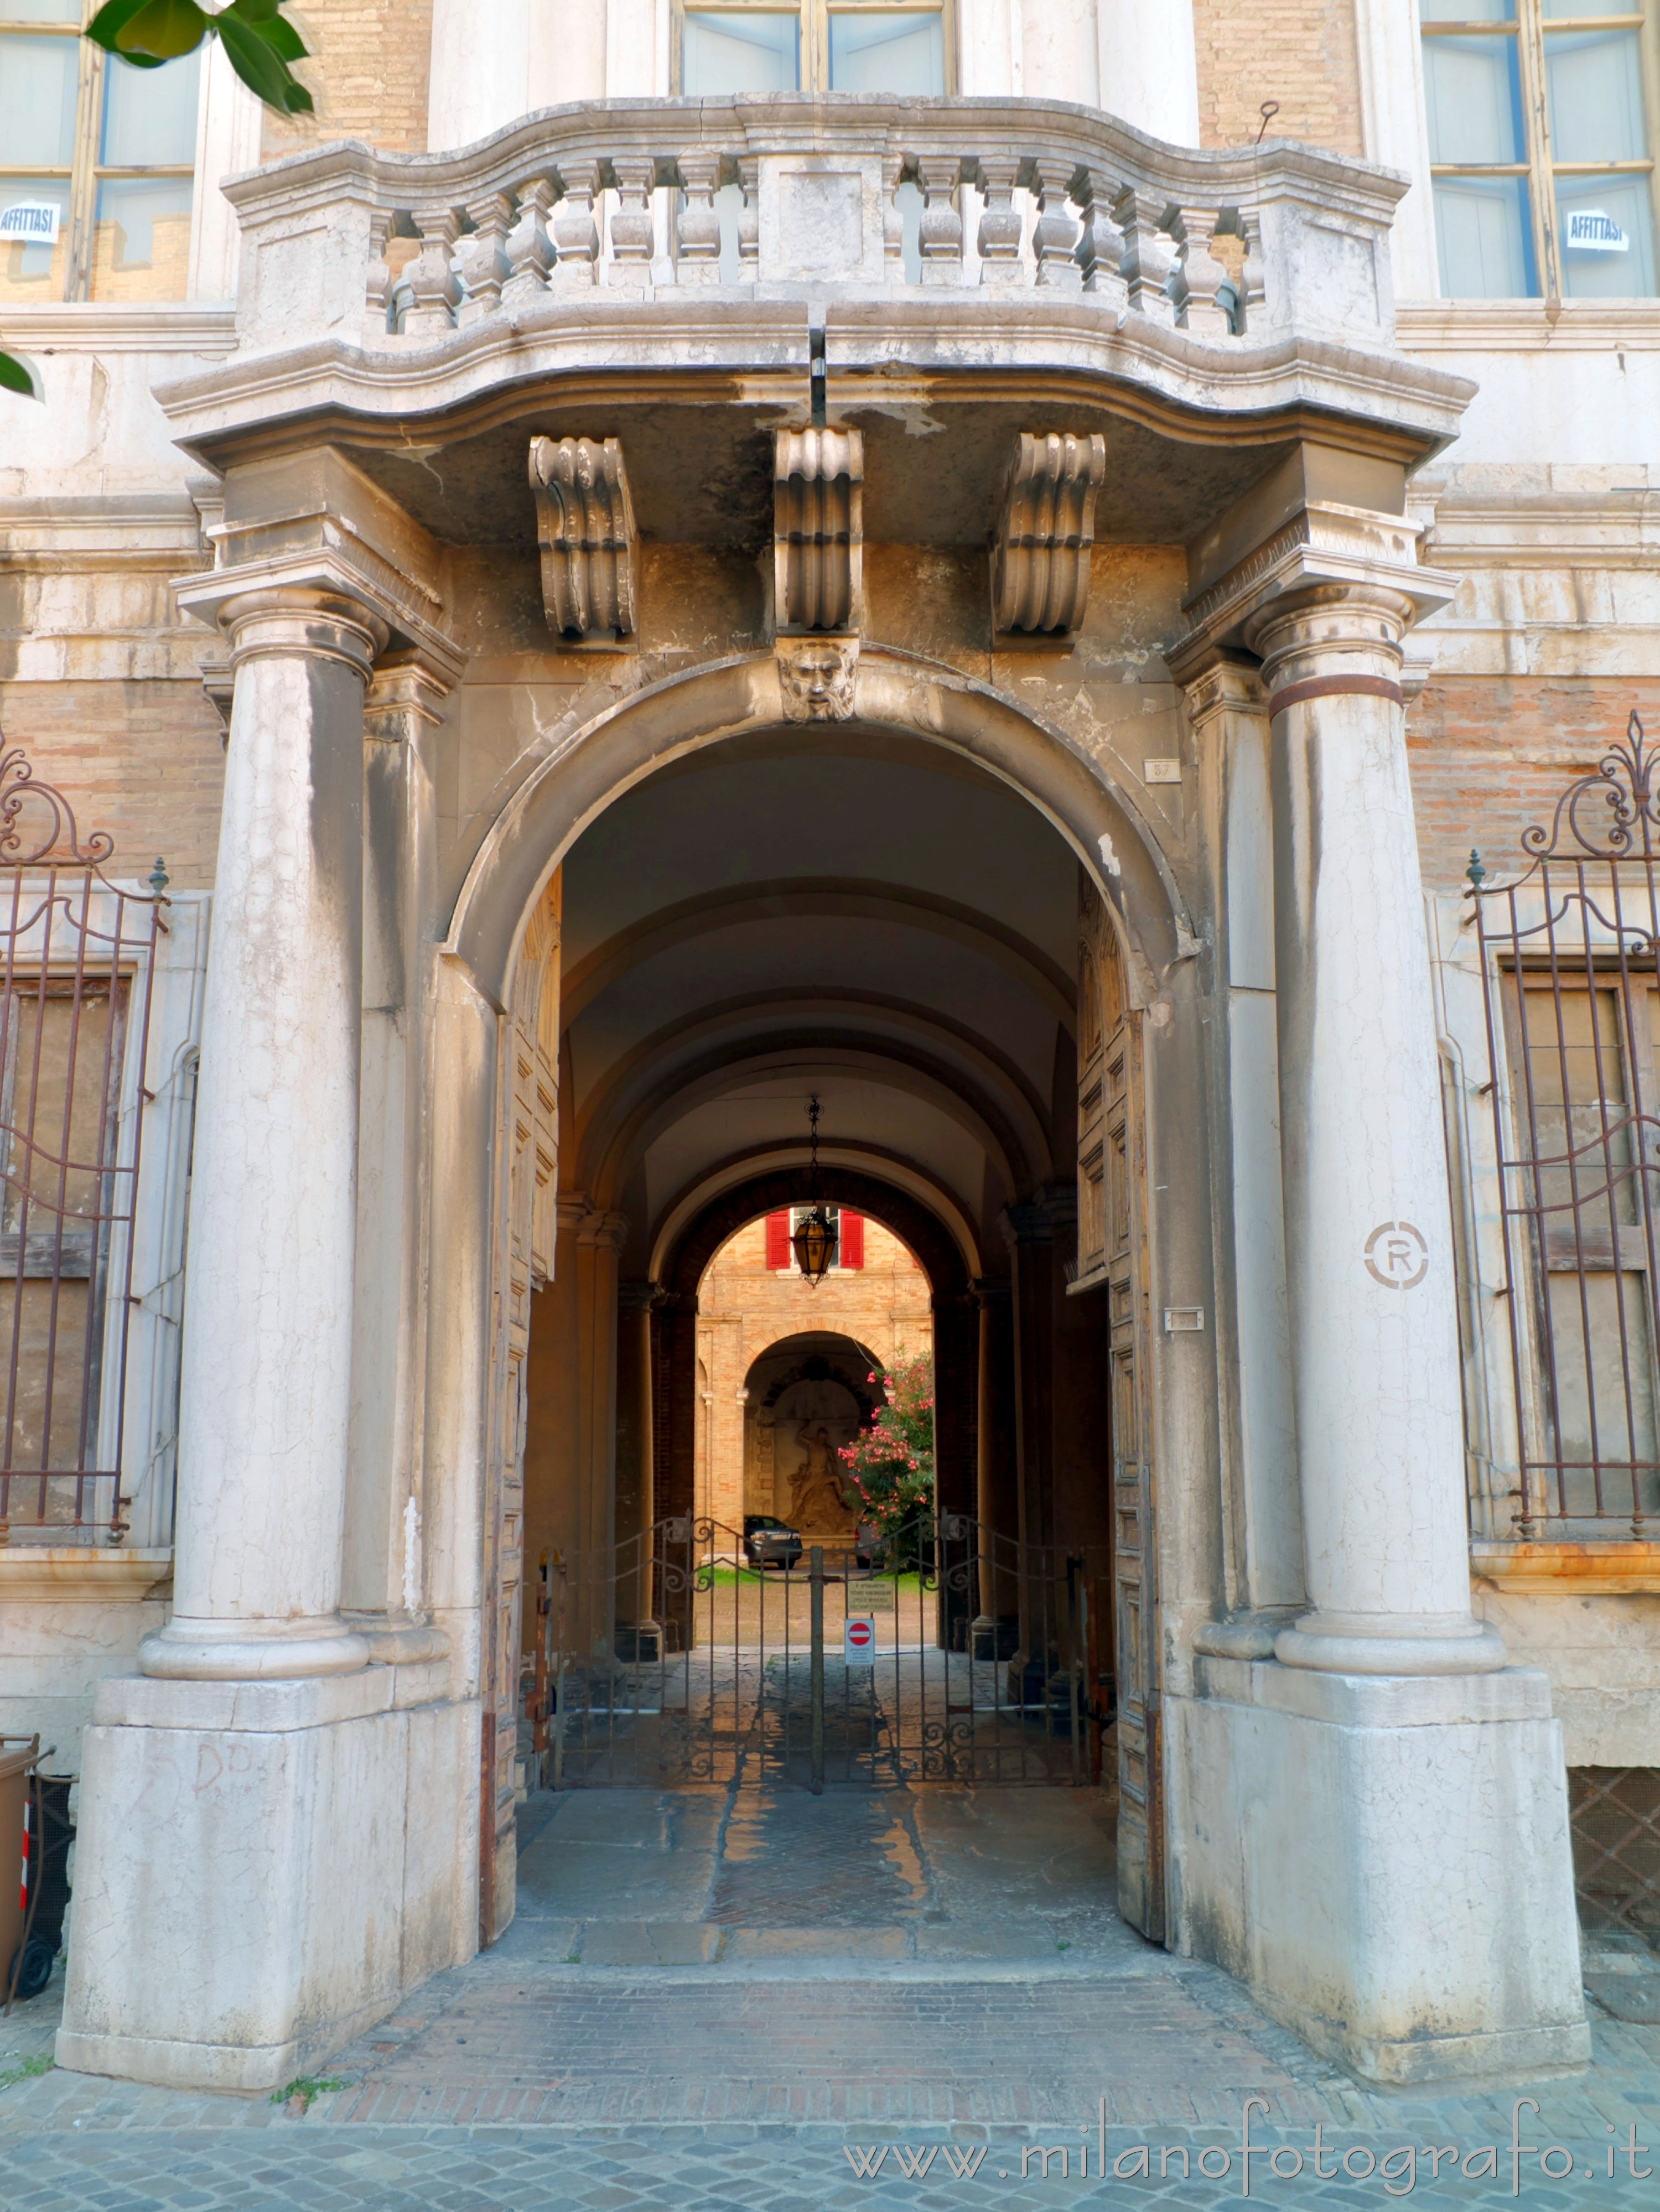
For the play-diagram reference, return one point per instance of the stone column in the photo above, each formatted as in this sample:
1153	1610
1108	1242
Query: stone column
997	1499
636	1504
956	1413
1369	1245
266	1391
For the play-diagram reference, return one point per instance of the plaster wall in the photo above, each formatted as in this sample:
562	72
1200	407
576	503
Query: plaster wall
1602	1656
59	1643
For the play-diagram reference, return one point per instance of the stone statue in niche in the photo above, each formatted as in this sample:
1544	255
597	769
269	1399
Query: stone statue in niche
820	1503
816	676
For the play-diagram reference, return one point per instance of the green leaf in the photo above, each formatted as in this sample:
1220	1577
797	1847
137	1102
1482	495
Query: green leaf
298	99
114	16
17	376
261	70
262	18
164	29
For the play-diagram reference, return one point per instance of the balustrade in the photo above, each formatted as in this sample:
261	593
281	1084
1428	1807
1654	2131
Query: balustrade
791	195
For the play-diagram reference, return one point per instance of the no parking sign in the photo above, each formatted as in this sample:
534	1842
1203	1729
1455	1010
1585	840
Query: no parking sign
859	1640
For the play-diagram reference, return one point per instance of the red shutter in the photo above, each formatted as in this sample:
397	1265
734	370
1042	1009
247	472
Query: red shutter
778	1240
852	1254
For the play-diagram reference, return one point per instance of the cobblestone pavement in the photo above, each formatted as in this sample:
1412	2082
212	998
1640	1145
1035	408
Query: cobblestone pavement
752	1999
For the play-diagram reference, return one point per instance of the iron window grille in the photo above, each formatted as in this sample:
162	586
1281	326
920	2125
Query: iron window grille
1571	993
78	956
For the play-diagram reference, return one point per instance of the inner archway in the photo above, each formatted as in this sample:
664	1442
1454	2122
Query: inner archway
866	917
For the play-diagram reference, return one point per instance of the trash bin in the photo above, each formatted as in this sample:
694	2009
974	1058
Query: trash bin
18	1756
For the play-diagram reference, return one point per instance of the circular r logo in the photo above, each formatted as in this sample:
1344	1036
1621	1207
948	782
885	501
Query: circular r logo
1396	1255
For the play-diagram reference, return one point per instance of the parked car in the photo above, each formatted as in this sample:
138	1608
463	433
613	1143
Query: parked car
869	1545
770	1542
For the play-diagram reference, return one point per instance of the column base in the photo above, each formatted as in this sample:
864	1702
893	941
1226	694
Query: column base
262	1869
252	1650
1365	1643
1385	1862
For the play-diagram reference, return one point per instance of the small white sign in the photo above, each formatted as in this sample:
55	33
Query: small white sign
34	221
1591	231
1182	1320
1162	771
859	1640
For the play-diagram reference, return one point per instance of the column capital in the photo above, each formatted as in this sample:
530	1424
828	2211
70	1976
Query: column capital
300	620
639	1296
1330	639
1324	546
1221	680
993	1290
406	691
392	607
603	1231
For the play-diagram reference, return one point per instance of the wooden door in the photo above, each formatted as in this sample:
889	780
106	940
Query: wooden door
526	1219
1112	1249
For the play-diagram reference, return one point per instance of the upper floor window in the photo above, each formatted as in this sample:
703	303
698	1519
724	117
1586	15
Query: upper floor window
1540	146
98	163
818	46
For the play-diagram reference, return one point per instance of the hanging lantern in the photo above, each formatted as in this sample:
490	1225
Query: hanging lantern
818	1236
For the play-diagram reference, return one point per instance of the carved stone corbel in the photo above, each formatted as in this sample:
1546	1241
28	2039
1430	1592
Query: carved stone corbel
819	530
1040	580
585	524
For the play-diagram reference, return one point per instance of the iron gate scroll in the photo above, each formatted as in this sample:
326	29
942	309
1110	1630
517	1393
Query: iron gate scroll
669	1660
76	962
1572	1001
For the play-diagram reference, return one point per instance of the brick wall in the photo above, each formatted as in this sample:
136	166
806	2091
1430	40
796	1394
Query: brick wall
142	760
368	75
1301	53
1490	754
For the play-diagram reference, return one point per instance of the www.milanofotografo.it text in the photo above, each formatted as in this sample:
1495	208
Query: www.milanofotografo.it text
1247	2165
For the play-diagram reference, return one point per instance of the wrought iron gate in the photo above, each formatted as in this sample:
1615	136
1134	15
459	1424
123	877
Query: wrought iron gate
76	959
668	1659
1571	985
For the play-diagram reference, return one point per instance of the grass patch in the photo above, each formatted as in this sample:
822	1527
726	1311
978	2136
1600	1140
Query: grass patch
307	2088
30	2070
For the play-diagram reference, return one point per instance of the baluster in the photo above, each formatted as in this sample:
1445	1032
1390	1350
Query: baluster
1198	277
1055	239
748	220
1000	223
633	232
432	282
893	222
529	249
942	219
1149	256
377	292
1253	277
485	267
1101	246
575	233
699	261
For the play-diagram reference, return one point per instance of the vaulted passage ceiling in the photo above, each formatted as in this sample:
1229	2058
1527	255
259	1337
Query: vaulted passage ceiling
857	916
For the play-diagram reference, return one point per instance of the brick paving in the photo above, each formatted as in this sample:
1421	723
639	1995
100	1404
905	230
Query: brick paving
747	2074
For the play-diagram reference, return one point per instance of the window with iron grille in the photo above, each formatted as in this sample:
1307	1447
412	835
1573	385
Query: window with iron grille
77	959
1568	956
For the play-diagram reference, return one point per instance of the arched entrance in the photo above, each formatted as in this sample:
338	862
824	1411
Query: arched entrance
893	917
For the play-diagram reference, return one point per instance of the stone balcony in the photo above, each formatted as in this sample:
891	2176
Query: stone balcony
959	241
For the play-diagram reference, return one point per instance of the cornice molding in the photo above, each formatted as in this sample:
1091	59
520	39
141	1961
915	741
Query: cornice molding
1527	325
93	326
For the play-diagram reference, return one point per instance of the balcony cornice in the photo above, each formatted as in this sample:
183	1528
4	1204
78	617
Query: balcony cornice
1031	350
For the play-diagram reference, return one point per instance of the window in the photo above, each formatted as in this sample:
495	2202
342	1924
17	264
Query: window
850	1241
1540	146
96	191
819	46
